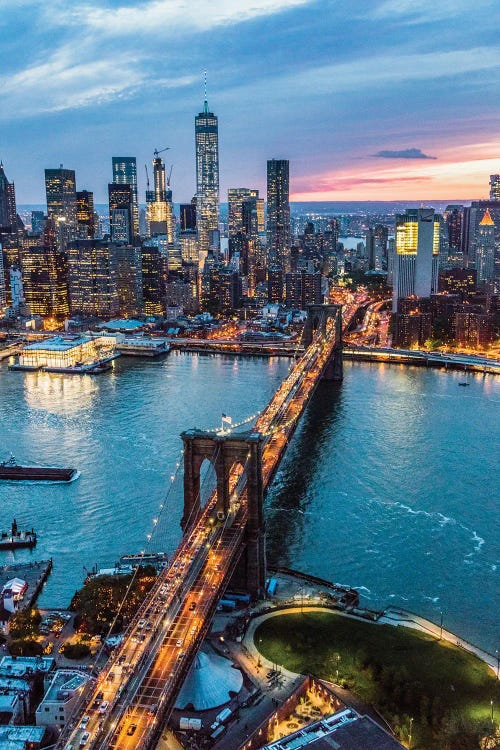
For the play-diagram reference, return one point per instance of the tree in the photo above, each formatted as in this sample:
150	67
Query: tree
25	624
99	602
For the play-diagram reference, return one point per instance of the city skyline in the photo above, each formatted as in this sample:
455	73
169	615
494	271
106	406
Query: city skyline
396	102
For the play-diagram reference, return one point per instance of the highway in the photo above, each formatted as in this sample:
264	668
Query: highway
464	362
132	697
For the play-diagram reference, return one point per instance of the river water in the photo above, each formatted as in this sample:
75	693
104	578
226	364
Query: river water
390	483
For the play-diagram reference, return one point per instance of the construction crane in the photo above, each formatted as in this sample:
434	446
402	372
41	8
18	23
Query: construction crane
147	176
157	153
169	175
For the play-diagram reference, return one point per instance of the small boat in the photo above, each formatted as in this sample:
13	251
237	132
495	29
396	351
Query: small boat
15	539
13	471
464	385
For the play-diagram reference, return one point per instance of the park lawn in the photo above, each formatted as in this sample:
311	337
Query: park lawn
401	671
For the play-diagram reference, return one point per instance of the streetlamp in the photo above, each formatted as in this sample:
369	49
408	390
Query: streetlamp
441	627
409	733
498	662
337	670
492	715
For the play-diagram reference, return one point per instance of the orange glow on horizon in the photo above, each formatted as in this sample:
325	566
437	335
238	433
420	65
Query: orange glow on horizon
460	173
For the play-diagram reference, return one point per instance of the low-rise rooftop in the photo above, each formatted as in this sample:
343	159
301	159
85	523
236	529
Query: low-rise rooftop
21	666
19	737
58	343
65	682
344	730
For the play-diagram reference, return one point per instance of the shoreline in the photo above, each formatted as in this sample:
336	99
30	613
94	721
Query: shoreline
394	616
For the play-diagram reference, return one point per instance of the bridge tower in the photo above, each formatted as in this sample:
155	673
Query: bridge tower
224	452
318	317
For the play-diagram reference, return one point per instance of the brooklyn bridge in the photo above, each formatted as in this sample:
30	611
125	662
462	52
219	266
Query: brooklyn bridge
223	543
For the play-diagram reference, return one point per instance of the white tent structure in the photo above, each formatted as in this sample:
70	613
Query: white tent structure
209	683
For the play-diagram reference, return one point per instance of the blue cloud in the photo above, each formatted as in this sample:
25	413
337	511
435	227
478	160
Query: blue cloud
405	153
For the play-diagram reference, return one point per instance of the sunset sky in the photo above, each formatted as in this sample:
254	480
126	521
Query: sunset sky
368	99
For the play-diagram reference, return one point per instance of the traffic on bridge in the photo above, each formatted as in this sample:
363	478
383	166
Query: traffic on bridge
128	703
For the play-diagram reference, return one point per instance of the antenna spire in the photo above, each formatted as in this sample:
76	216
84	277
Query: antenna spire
205	106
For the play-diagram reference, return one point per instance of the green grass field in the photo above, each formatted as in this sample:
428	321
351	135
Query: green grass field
402	672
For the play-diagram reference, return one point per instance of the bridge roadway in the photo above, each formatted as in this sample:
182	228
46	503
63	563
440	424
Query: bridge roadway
453	361
132	698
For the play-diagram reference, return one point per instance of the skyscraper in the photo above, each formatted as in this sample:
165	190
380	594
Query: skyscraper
495	187
159	210
207	178
92	278
8	214
60	187
417	254
85	214
125	173
485	248
45	274
121	212
278	213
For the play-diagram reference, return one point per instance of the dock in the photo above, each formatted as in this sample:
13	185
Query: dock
34	573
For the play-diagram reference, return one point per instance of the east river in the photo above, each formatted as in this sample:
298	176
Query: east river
390	484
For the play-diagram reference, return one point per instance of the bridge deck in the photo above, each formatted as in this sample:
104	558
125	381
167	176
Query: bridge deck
144	674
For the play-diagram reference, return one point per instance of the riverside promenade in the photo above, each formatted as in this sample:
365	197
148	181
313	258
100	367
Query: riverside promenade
296	595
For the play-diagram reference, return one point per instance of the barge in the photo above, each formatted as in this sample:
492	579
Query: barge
16	539
11	470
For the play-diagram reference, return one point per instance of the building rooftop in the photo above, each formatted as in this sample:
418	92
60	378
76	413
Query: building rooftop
127	324
344	730
58	343
65	682
14	684
18	737
20	666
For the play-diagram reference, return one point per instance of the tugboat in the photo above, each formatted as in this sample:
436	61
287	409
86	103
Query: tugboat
11	470
15	539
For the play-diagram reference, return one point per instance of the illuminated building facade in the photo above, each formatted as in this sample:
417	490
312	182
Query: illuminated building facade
495	187
128	279
60	188
416	261
207	179
275	284
120	213
92	279
85	214
153	280
461	281
66	351
238	216
485	248
8	213
45	274
188	216
159	209
302	289
125	173
278	213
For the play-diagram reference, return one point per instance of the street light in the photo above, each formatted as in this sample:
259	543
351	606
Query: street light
409	733
498	662
492	715
338	660
441	627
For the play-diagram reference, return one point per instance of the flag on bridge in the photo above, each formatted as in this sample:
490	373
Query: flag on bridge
226	420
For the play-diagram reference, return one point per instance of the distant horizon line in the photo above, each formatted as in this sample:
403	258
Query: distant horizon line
321	202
